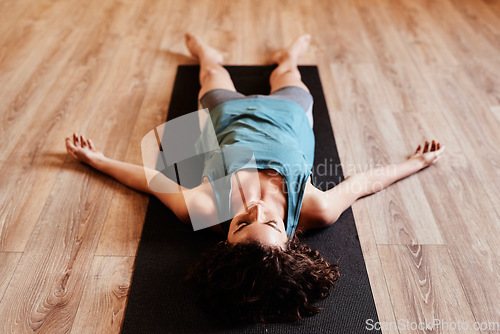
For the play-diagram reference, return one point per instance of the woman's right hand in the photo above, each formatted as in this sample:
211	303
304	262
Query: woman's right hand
83	149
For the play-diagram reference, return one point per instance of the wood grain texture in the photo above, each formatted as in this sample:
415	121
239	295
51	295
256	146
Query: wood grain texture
8	263
428	291
481	257
123	224
468	220
51	272
394	73
376	274
105	296
36	157
400	217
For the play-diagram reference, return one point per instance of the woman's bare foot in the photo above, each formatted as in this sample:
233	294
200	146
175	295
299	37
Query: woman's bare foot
294	51
200	49
83	149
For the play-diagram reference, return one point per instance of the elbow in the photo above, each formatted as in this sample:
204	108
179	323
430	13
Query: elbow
330	220
325	216
325	221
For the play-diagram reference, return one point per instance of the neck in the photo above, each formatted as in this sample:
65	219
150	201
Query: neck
269	189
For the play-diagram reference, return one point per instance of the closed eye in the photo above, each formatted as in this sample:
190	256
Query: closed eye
240	225
274	225
271	223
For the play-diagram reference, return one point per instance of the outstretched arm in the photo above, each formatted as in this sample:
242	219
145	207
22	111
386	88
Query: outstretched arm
133	176
330	204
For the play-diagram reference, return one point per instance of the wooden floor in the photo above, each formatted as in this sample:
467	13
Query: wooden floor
394	73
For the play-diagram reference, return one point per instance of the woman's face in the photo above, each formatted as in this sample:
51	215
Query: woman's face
260	223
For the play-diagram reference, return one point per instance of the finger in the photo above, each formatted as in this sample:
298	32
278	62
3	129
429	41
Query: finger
83	141
69	143
70	152
70	148
440	151
438	146
90	143
433	145
418	149
75	138
426	147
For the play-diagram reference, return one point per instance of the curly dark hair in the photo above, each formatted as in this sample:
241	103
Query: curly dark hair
255	283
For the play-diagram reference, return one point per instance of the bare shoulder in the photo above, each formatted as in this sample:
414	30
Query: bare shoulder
323	208
314	211
201	208
194	206
200	201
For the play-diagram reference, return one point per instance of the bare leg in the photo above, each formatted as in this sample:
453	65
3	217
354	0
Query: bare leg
212	74
287	73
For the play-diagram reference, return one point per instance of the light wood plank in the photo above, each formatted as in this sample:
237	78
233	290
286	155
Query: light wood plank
123	224
403	218
474	123
28	162
478	57
105	296
124	221
495	110
8	263
129	93
400	76
424	288
376	274
55	265
28	76
493	5
467	43
480	19
465	218
394	73
421	35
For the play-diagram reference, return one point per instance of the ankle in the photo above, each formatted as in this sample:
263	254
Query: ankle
289	63
287	58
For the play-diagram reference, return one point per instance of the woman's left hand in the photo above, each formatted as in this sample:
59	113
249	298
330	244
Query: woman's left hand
430	154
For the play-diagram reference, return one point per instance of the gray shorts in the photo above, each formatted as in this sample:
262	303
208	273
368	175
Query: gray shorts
214	97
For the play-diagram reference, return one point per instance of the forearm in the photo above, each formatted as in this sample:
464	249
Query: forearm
130	175
376	179
136	177
329	205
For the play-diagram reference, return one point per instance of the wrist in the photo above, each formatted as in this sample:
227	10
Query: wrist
418	163
98	162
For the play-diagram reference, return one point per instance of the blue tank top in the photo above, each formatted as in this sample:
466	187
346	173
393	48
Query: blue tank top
262	134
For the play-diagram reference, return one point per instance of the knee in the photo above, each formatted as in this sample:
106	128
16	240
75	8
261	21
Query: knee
291	71
210	73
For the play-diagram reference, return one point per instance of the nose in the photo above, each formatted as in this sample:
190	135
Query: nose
255	212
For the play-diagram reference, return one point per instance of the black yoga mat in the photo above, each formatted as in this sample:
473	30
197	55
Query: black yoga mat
159	301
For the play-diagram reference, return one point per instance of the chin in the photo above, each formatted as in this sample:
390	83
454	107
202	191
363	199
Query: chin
259	203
